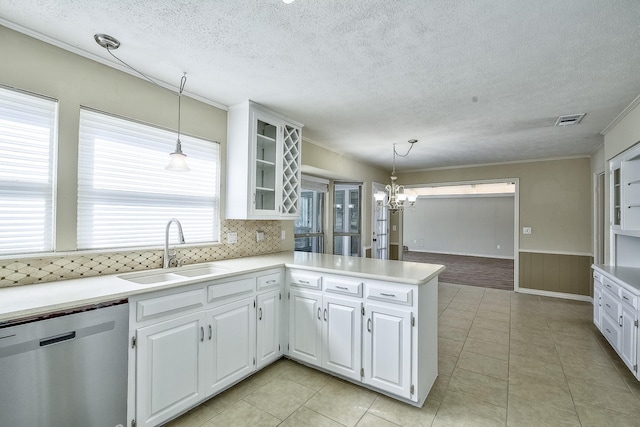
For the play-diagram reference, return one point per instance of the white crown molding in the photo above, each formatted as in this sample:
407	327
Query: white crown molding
621	116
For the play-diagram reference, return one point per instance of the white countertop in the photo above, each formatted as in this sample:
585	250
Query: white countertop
629	275
34	300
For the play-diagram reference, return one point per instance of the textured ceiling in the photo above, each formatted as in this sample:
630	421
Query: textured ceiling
476	81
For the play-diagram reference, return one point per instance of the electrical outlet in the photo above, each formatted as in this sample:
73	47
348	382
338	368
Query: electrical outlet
393	227
526	230
259	236
232	238
283	234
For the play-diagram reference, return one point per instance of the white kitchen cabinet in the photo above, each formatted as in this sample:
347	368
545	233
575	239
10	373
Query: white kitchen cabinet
268	346
629	337
170	357
597	300
342	336
387	349
305	326
263	164
231	331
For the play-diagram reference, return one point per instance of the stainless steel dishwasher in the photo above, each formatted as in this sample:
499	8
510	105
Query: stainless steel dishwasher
67	369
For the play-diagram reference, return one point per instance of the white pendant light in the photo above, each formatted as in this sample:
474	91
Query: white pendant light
178	162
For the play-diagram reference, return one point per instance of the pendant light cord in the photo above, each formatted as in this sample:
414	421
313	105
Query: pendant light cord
395	153
183	81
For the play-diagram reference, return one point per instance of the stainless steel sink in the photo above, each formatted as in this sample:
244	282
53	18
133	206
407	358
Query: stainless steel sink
203	270
150	278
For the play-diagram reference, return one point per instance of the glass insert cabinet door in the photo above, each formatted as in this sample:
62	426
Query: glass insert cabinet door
265	167
346	219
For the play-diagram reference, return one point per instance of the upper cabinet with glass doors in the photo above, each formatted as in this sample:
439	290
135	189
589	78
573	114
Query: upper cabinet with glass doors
263	164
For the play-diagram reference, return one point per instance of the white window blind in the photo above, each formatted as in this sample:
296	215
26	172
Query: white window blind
126	197
27	146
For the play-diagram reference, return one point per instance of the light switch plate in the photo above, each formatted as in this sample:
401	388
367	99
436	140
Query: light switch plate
232	238
526	230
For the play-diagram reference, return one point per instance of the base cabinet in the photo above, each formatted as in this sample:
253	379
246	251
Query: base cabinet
170	360
305	329
232	334
341	333
629	337
387	349
268	346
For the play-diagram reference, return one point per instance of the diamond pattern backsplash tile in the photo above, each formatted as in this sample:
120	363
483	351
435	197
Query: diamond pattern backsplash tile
49	268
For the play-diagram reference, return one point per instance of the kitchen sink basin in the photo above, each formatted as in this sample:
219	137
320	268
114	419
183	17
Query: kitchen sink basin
203	270
150	278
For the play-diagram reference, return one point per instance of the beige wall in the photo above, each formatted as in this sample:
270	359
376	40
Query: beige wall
555	199
321	162
32	65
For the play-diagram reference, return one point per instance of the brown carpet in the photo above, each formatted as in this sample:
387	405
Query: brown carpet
469	270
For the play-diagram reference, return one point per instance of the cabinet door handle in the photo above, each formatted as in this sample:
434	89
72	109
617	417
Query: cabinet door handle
620	322
210	332
600	301
387	295
319	311
201	333
325	314
260	313
369	325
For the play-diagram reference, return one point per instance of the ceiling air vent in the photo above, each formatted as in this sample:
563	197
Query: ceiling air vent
570	119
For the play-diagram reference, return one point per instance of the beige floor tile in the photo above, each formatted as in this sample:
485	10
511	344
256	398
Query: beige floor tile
236	393
306	376
568	339
591	416
489	335
540	352
536	321
280	397
494	325
402	414
370	420
446	320
306	417
489	389
522	366
537	337
524	413
342	402
242	414
591	357
486	348
540	392
452	333
446	364
467	306
458	409
611	398
438	388
495	307
483	365
605	375
195	417
493	315
463	314
449	346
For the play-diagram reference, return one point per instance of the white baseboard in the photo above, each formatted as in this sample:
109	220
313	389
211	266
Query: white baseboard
461	254
552	294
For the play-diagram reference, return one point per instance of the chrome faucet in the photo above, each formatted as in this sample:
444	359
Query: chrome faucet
171	255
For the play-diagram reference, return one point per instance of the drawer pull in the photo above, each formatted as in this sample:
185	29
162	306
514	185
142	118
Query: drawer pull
344	288
304	282
608	285
271	281
624	297
388	295
608	331
607	305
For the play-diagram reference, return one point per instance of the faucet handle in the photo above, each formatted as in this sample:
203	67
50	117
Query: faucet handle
182	261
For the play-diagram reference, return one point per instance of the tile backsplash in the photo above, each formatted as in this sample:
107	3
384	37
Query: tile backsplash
52	267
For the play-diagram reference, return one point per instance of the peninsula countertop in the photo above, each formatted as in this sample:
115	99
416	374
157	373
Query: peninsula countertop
18	302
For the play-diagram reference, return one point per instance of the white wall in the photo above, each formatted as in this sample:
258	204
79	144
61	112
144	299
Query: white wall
461	225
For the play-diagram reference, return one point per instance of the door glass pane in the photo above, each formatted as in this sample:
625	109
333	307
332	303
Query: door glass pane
265	166
346	219
308	227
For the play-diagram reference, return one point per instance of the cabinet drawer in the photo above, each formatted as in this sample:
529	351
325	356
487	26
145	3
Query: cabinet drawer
269	281
609	284
597	277
610	305
611	331
628	298
341	286
227	289
305	280
169	304
390	294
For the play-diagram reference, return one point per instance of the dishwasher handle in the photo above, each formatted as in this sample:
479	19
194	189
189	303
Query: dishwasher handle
58	338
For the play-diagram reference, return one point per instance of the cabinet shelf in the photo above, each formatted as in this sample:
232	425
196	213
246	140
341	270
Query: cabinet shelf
265	189
265	138
263	163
